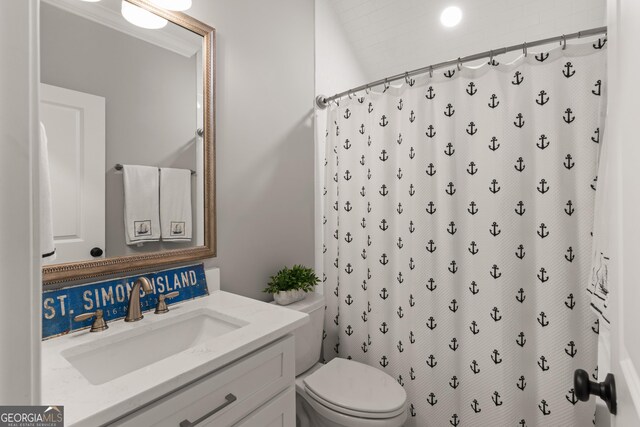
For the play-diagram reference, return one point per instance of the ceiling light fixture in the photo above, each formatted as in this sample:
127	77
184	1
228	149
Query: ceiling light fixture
175	5
140	17
451	16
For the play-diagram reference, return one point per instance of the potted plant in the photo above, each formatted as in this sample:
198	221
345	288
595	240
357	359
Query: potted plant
291	284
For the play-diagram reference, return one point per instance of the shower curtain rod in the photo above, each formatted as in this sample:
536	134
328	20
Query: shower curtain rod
323	101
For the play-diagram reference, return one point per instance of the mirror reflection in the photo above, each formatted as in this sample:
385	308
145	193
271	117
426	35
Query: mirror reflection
121	107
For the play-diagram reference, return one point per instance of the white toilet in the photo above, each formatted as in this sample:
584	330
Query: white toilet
342	393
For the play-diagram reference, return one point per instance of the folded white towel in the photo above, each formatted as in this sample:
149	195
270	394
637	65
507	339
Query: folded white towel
47	246
141	204
175	204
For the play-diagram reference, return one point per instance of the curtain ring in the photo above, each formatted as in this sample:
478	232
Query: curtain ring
524	49
349	94
459	65
564	42
431	71
367	90
491	58
579	34
406	77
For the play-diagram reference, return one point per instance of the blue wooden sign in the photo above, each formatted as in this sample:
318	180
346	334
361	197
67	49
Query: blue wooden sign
60	306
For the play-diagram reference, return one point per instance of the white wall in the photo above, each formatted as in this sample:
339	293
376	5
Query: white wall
337	65
264	138
20	289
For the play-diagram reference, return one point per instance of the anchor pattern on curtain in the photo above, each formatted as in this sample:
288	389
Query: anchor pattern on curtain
458	211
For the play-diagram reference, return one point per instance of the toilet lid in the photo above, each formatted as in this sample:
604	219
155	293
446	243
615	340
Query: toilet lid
356	389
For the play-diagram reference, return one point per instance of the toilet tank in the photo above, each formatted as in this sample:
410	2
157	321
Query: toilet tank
308	337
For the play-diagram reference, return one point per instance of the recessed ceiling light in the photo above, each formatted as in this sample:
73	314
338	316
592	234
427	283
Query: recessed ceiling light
142	18
451	16
176	5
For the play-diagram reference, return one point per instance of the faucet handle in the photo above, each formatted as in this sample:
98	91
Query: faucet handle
99	324
162	307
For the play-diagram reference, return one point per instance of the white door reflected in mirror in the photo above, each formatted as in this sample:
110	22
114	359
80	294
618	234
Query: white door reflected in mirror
75	127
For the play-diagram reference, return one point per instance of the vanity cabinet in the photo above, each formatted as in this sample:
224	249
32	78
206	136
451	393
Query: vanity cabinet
255	390
278	412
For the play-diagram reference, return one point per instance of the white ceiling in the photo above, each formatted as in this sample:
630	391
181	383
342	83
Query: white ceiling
393	36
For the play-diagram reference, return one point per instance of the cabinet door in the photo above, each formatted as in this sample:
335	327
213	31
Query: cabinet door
278	412
226	396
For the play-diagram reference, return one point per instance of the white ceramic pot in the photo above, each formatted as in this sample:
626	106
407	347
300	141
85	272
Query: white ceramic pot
289	297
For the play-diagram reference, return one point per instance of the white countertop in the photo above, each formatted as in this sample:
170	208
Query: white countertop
86	404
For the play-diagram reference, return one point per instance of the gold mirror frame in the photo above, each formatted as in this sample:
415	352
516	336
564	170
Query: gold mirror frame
88	269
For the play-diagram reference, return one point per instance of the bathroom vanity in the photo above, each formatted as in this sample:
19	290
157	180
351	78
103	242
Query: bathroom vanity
221	360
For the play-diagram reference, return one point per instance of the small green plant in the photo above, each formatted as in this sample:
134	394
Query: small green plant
296	277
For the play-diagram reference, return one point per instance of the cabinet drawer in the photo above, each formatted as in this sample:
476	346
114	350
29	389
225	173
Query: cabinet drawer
225	396
278	412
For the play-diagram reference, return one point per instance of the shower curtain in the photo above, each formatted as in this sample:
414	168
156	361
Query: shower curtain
458	211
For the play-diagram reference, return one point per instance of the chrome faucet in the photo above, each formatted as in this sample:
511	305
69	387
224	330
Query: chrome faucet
134	312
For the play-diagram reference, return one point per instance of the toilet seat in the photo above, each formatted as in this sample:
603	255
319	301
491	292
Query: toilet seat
355	389
352	413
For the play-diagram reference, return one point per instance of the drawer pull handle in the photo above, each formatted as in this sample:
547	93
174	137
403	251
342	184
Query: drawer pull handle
229	399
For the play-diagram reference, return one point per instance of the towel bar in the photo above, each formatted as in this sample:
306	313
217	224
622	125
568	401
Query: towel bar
118	167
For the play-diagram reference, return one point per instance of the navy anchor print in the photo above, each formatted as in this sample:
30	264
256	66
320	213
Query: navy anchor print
458	211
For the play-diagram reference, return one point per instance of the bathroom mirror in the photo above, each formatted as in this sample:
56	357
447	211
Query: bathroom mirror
124	82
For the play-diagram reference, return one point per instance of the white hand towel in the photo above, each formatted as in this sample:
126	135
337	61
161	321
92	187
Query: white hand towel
141	204
175	204
47	246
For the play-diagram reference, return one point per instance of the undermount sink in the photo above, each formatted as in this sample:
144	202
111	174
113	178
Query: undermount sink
127	351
